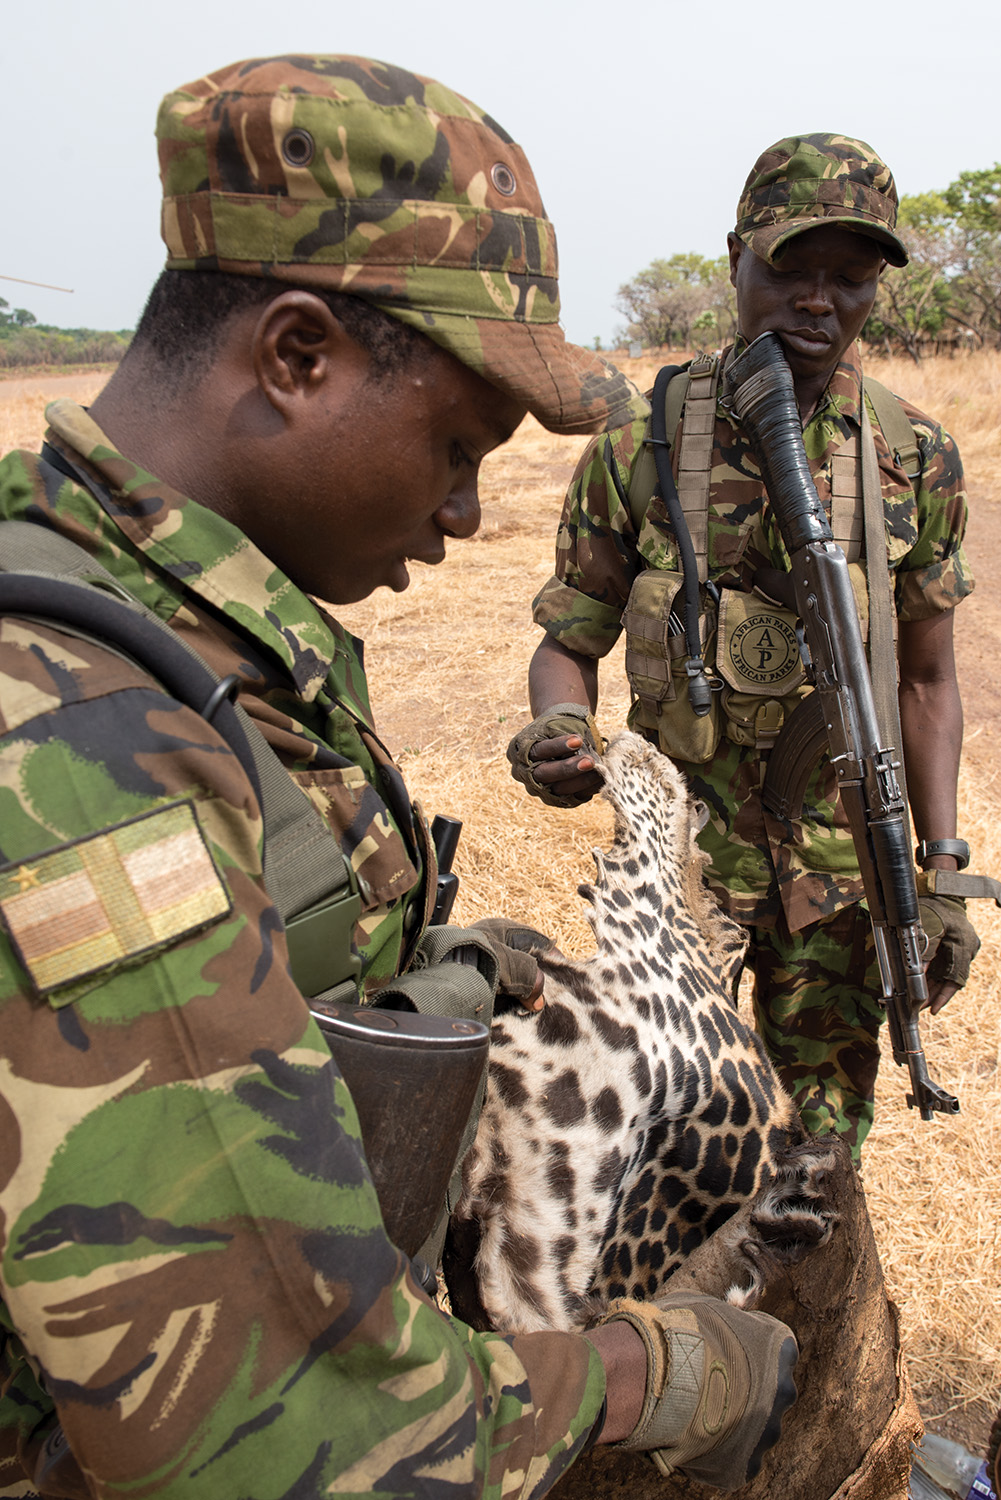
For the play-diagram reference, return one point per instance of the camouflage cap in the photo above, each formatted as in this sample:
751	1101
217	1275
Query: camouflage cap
808	180
346	174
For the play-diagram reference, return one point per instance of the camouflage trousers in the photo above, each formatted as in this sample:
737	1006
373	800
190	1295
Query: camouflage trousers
817	1008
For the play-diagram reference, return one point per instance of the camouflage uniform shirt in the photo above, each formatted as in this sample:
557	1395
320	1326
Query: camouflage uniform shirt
195	1277
761	868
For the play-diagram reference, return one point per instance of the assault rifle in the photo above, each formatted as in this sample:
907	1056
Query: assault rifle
841	712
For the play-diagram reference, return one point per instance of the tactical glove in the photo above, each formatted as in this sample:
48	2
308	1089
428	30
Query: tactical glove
718	1383
952	942
561	719
519	977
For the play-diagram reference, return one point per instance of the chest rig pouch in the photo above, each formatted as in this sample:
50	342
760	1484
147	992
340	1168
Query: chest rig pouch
655	665
758	657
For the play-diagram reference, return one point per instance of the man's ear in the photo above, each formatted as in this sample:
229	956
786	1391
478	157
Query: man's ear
735	248
299	348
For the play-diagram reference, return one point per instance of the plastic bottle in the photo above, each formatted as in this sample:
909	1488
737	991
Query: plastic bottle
944	1470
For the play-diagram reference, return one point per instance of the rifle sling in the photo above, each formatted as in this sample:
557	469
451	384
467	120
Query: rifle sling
958	883
882	652
305	871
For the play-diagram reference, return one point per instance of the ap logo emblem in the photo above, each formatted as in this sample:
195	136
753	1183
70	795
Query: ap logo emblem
764	652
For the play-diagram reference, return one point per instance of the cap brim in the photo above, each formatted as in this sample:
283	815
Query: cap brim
567	388
771	239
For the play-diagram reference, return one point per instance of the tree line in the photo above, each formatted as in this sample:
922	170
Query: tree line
948	296
25	342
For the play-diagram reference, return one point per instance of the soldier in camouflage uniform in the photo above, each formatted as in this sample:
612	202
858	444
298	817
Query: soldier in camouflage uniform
198	1295
815	229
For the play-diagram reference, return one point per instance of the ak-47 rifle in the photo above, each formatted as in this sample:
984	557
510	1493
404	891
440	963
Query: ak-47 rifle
758	386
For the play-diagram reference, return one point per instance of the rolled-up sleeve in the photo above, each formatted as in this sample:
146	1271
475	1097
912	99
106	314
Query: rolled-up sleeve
934	574
596	553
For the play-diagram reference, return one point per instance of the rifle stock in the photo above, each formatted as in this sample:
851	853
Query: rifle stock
414	1080
759	388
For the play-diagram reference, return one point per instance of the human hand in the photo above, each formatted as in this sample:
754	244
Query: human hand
519	977
952	946
555	757
718	1382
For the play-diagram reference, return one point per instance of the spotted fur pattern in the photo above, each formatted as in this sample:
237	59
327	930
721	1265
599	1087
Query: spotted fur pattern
636	1113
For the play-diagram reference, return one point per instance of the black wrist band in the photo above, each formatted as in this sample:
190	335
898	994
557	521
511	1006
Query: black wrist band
596	1427
927	849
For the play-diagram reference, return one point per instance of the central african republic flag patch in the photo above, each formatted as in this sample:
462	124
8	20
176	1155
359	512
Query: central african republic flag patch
86	906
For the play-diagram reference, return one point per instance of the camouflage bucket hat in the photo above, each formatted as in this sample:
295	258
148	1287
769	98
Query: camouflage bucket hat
345	174
808	180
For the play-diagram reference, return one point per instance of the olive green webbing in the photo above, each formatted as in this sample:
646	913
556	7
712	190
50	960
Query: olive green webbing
693	486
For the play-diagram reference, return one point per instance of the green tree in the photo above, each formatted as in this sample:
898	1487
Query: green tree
664	302
975	200
952	286
912	304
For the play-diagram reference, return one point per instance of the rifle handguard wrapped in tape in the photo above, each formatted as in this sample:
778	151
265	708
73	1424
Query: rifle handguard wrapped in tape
758	386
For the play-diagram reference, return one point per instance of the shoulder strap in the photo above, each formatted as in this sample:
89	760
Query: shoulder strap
690	398
882	616
900	436
644	475
311	883
695	460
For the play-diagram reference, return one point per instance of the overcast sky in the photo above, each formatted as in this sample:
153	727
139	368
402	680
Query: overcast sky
641	120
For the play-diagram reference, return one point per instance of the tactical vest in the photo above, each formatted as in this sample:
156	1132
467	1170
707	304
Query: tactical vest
752	644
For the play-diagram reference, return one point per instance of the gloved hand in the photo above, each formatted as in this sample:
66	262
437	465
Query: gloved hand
519	979
718	1383
545	742
952	942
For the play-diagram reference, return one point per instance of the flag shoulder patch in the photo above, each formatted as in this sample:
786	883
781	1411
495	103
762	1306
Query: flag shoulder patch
85	906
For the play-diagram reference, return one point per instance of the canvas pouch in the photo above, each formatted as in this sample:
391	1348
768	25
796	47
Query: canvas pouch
655	665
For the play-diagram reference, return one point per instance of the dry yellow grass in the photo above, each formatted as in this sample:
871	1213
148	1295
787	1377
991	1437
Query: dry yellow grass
23	402
447	664
964	394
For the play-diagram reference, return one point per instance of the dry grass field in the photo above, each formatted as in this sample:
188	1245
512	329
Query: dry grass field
447	662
